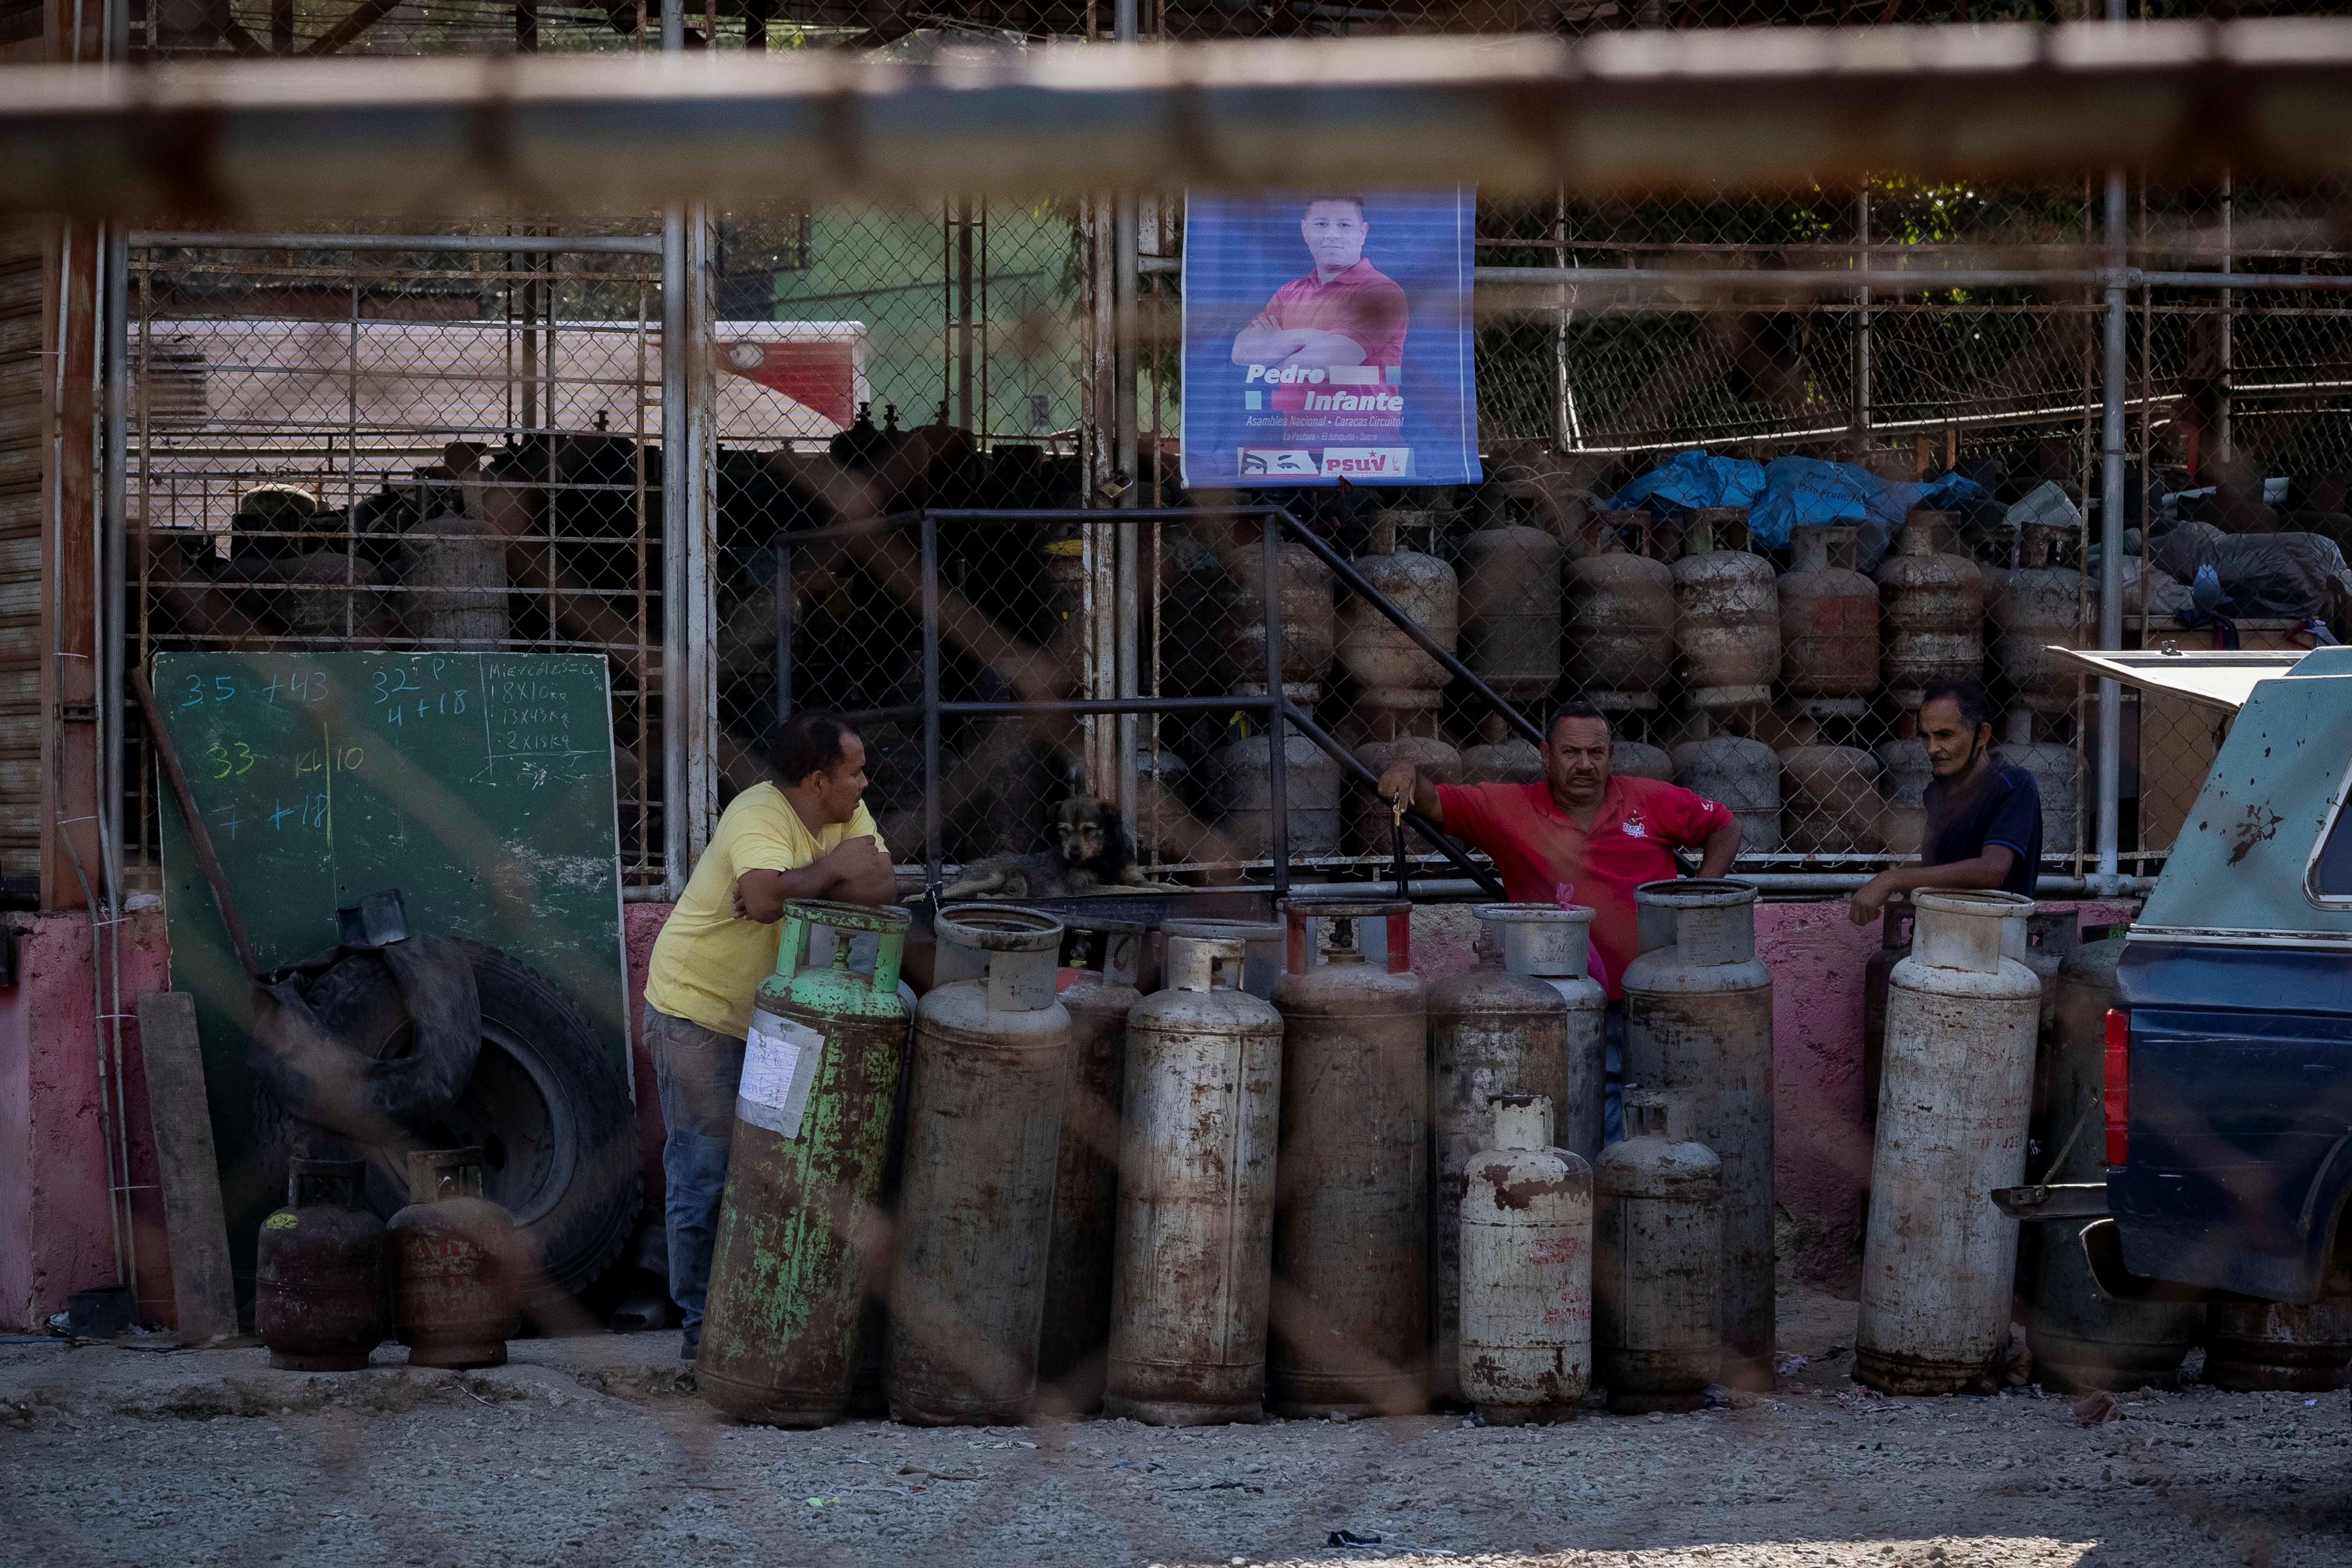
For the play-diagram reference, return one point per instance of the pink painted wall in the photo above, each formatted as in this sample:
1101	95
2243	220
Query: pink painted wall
56	1236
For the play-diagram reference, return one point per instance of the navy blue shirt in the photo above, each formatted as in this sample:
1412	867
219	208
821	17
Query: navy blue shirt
2002	807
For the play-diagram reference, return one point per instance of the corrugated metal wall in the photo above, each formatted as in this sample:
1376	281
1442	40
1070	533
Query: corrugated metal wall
20	557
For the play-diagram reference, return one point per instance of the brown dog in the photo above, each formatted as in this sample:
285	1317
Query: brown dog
1095	851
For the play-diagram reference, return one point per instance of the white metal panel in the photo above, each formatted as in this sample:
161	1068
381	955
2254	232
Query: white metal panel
2212	679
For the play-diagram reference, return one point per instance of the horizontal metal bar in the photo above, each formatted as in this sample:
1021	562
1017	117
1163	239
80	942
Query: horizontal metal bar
1648	113
1112	705
1070	514
468	244
1584	279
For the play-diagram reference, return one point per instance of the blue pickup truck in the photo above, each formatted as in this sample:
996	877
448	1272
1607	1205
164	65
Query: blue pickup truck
2227	1095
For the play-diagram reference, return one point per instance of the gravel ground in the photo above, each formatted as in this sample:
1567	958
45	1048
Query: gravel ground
585	1452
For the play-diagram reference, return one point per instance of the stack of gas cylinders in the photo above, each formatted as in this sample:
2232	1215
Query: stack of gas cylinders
443	1276
1296	1179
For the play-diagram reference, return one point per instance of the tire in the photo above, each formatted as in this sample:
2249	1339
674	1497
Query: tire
548	1106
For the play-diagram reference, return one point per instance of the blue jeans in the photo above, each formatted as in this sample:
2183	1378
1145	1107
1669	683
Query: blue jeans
1612	1034
697	1071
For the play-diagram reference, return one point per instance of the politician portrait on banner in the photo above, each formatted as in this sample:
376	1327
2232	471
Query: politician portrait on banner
1327	337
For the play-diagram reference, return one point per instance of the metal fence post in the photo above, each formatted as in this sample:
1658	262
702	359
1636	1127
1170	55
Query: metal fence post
934	858
1278	728
2105	881
678	851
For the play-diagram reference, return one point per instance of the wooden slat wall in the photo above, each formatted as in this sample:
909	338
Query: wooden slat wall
21	730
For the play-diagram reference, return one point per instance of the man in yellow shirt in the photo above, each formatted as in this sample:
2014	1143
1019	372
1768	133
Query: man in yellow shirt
806	835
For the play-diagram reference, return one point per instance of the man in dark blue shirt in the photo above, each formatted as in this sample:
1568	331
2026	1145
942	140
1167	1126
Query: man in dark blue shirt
1984	814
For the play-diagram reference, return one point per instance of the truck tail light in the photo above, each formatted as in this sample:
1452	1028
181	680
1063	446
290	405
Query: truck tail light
2117	1098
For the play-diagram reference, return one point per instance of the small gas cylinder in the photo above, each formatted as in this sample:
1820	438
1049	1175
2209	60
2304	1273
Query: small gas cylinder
1391	671
1525	1351
1742	774
1501	756
1904	773
2039	605
1309	615
1620	617
1699	1028
1371	822
983	1145
1727	613
1511	609
455	1268
1193	1277
1237	780
1657	1294
1555	946
1639	760
322	1298
1932	606
1070	1345
788	1281
1829	624
1938	1259
1830	802
1491	1031
2274	1344
1351	1224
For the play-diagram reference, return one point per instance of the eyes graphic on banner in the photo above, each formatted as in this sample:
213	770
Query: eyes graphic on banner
1298	310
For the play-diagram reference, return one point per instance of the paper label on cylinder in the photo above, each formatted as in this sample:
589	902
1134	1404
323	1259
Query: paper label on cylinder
780	1063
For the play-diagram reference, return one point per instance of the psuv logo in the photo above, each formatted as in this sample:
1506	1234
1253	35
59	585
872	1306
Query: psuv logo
1367	462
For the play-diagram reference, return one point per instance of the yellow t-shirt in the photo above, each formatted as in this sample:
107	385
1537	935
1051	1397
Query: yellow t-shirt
707	963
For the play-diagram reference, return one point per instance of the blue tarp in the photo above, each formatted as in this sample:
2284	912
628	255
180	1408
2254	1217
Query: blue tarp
1791	493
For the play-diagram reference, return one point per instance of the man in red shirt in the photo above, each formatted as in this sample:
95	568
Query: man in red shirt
1338	331
1601	834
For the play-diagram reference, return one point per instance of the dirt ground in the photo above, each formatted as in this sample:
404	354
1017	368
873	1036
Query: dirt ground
586	1452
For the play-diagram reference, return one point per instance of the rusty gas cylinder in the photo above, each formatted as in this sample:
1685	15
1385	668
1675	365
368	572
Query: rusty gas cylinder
1525	1213
983	1148
322	1298
456	1271
1657	1264
1727	613
1699	1028
1391	672
1077	1326
1191	1282
1933	608
1491	1032
1830	803
2278	1345
1829	626
1351	1221
1938	1260
1620	618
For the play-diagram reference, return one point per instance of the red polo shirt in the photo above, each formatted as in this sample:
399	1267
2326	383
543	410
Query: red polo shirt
1359	302
1536	846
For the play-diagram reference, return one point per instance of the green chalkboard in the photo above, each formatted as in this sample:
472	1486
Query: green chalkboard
478	784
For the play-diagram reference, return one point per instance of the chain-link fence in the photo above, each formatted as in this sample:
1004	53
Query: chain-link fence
978	375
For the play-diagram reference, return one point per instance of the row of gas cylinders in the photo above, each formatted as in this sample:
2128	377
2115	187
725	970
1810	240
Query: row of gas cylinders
1298	1178
1616	625
2006	1095
442	1276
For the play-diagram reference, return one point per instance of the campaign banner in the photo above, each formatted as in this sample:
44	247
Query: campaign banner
1327	337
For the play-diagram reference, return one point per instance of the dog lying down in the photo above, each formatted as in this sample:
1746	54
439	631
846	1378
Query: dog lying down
1096	853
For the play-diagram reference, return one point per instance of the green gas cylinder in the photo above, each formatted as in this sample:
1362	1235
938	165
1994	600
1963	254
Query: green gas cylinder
799	1233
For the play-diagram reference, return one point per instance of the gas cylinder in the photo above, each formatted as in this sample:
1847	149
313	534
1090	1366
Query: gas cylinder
1262	944
456	1271
2050	936
1657	1262
788	1278
1620	617
1938	1258
1237	784
1904	773
1639	760
2081	1338
2057	770
1351	1220
1501	756
1370	821
1742	774
1933	608
1491	1032
1511	610
1698	1029
1894	947
1108	955
1309	615
983	1142
1829	626
1525	1219
1555	946
1830	803
1193	1277
2275	1344
1727	613
321	1289
2039	605
1391	672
